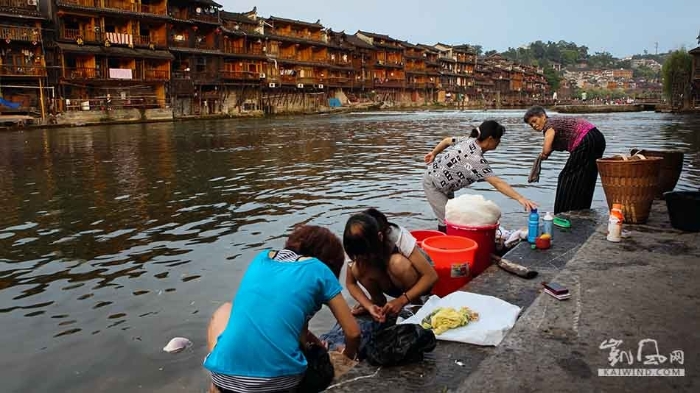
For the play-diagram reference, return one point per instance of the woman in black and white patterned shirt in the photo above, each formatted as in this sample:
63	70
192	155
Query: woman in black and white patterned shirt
462	165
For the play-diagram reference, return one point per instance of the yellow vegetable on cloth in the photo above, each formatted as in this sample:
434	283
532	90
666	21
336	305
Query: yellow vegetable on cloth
443	319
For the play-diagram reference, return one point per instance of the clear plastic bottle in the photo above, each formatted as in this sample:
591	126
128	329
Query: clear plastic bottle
533	226
548	224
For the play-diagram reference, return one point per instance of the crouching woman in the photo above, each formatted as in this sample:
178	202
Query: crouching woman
257	343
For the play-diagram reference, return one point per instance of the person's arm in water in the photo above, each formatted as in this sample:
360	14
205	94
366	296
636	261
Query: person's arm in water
547	145
341	311
358	294
428	278
444	144
508	191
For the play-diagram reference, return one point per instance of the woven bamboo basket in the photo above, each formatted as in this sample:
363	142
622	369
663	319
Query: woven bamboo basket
671	168
630	181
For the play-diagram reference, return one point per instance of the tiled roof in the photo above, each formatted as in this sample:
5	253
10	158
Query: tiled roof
237	17
207	2
296	22
253	34
429	48
695	51
379	36
358	42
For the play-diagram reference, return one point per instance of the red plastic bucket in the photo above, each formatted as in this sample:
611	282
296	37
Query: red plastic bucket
423	234
452	257
484	236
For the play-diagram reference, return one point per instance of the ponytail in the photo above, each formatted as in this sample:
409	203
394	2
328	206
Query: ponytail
476	133
488	129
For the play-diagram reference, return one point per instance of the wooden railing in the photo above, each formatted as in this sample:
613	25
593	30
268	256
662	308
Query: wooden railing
388	82
144	40
81	73
195	75
154	9
86	35
17	33
205	45
82	3
20	4
150	74
242	50
205	17
339	81
14	70
239	75
339	60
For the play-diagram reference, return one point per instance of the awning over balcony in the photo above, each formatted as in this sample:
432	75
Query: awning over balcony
116	51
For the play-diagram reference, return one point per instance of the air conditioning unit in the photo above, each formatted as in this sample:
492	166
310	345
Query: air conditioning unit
320	86
262	75
272	85
300	85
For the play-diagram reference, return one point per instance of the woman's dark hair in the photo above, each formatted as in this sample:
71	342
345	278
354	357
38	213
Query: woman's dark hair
534	111
361	238
317	242
489	128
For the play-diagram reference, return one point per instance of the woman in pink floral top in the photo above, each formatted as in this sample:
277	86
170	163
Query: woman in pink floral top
584	143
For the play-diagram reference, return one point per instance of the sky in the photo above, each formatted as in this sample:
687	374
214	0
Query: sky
621	27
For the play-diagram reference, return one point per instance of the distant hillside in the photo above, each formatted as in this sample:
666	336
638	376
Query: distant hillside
569	54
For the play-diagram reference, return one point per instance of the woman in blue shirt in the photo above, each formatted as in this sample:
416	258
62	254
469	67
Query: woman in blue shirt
260	348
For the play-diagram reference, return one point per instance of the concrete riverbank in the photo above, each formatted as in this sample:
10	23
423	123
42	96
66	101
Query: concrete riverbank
644	287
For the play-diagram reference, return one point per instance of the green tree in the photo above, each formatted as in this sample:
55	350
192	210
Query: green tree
676	73
645	72
601	60
569	57
626	64
552	77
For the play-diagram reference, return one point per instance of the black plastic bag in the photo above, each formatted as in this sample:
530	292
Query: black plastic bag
319	370
399	344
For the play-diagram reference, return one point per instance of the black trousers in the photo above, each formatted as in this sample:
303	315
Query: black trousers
578	178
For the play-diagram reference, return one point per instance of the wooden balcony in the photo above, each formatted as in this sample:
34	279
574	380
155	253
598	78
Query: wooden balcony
205	17
339	61
394	83
144	40
18	5
156	75
239	50
139	74
311	80
121	5
85	35
197	45
17	33
22	71
195	76
339	81
82	73
240	75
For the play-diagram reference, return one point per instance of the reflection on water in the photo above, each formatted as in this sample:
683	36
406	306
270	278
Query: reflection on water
113	239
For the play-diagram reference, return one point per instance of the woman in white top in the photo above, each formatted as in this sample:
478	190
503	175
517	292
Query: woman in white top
462	165
386	260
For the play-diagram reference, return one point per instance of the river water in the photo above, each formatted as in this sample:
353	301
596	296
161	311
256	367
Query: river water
115	239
